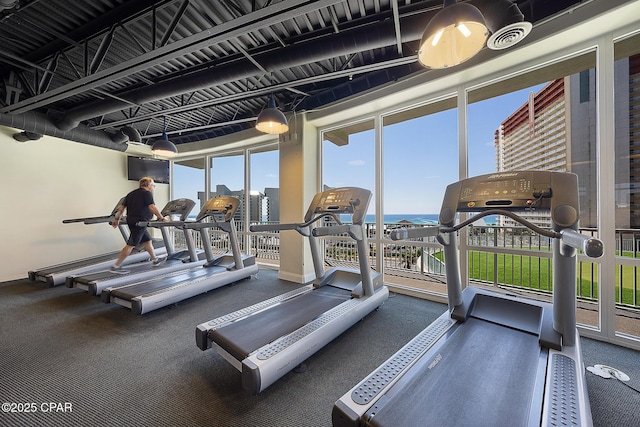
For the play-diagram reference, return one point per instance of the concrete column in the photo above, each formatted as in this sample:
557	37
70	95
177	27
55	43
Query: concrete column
299	174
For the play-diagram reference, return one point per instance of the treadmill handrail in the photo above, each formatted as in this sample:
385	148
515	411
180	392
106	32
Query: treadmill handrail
92	220
334	229
160	224
98	218
591	246
201	225
413	233
293	226
273	227
434	230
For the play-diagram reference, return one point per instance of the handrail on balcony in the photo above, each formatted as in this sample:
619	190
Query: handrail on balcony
505	256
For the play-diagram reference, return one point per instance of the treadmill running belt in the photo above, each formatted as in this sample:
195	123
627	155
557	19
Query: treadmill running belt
246	335
77	264
483	375
129	292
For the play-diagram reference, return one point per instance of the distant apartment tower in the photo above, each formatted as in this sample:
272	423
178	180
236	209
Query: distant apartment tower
557	130
273	204
223	190
255	203
627	125
255	206
534	137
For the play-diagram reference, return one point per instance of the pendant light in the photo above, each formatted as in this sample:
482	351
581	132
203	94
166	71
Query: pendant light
164	147
271	120
457	33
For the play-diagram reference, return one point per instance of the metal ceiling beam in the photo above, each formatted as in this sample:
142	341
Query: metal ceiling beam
174	22
396	25
263	91
359	39
123	13
255	20
205	127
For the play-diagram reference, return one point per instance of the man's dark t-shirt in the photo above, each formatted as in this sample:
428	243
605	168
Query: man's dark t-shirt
137	203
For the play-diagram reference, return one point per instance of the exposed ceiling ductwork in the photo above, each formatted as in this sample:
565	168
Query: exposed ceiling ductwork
374	36
34	123
209	67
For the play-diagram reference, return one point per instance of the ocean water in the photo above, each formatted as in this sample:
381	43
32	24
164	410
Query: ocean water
413	218
426	219
396	218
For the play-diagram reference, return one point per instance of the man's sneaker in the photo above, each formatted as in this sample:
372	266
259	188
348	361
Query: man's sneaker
158	261
118	270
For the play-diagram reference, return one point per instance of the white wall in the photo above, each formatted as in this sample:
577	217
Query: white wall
47	181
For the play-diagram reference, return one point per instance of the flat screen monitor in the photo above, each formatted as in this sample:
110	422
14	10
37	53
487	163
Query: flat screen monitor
139	167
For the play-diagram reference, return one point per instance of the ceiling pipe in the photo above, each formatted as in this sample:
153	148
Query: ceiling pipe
372	36
505	21
33	123
498	13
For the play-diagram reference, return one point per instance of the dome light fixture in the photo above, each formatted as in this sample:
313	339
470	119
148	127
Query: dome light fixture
271	120
457	33
164	147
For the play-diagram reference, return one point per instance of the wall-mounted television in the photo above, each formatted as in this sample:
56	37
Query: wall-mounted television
139	167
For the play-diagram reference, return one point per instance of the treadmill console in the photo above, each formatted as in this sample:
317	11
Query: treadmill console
504	190
220	209
515	191
344	200
180	207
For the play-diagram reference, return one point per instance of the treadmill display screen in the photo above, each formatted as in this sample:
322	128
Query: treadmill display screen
518	191
336	202
490	190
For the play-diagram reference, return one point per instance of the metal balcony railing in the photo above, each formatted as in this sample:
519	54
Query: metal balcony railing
498	256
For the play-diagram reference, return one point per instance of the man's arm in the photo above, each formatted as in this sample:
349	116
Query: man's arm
157	213
116	220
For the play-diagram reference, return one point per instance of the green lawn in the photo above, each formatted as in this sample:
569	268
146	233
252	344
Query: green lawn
534	272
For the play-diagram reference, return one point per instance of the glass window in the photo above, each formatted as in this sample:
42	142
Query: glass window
264	190
188	181
627	187
420	159
264	202
542	120
227	179
348	160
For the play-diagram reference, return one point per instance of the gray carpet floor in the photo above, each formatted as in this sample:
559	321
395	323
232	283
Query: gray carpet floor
73	360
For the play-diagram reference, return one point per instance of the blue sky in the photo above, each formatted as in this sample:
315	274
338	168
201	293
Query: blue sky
420	157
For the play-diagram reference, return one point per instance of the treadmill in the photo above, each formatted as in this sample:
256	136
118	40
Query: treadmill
189	257
56	274
147	295
269	339
492	358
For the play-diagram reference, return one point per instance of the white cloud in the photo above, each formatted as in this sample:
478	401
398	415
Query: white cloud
357	162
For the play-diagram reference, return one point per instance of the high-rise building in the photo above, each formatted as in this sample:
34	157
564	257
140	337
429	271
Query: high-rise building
556	130
534	137
273	204
255	203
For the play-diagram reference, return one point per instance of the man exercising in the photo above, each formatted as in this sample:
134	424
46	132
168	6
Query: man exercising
140	207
